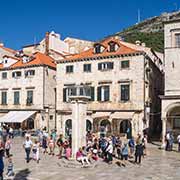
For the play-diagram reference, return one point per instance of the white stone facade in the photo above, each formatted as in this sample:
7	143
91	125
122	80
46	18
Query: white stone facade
134	111
171	98
42	83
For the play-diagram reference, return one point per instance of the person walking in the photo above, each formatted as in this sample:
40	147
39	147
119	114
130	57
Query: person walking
138	150
35	150
51	146
109	151
124	154
27	146
60	145
131	146
178	140
1	162
8	146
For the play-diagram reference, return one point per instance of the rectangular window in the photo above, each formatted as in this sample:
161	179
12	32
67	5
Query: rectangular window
177	39
124	64
105	66
68	92
4	75
87	67
176	124
69	69
29	98
103	93
29	73
16	98
125	92
4	98
16	74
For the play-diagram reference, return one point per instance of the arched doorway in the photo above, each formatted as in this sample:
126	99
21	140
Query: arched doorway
173	120
30	123
105	128
126	128
68	128
88	125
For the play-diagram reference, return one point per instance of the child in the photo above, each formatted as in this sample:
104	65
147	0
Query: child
35	150
8	145
68	152
10	171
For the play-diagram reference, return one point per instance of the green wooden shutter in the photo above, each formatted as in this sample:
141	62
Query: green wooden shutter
64	95
99	93
92	93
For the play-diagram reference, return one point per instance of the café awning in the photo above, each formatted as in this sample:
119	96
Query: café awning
16	116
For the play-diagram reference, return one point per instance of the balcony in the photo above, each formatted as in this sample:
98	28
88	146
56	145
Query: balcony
80	91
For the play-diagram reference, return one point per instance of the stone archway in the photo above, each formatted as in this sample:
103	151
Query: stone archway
126	128
105	127
173	120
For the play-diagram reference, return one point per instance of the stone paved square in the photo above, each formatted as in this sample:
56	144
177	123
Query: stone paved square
158	165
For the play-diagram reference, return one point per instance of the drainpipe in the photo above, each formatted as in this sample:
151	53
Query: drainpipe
55	108
144	95
47	43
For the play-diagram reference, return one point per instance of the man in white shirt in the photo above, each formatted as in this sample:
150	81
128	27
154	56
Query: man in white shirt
27	146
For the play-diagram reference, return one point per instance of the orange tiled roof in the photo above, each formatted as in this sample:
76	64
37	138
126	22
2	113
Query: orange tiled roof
38	59
123	49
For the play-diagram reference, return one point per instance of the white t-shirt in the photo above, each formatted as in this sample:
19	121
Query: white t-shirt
28	144
178	138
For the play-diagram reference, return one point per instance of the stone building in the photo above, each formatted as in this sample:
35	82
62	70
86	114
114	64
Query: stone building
171	99
54	46
27	90
122	82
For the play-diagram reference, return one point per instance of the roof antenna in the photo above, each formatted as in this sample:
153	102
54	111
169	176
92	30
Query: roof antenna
176	6
139	16
34	40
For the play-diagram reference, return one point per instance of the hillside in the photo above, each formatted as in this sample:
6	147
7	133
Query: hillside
149	31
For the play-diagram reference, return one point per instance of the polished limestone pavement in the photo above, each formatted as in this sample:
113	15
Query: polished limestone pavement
158	165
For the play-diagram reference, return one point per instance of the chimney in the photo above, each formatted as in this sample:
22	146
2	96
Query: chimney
138	43
47	43
1	44
143	44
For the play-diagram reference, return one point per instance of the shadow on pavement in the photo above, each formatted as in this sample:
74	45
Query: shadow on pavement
22	175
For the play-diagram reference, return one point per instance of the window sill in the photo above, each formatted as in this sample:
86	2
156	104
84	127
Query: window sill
69	72
4	78
125	68
4	104
125	101
29	104
105	70
87	71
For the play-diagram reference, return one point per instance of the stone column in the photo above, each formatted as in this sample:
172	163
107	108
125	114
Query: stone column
163	131
79	110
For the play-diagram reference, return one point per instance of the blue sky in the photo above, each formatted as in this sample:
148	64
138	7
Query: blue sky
24	21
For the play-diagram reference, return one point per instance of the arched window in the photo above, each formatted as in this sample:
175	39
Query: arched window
68	128
88	125
105	127
125	128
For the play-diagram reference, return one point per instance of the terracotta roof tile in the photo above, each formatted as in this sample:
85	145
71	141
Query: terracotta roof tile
123	49
38	59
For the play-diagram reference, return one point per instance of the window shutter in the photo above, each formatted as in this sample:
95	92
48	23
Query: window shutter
110	65
99	93
100	66
64	95
92	93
